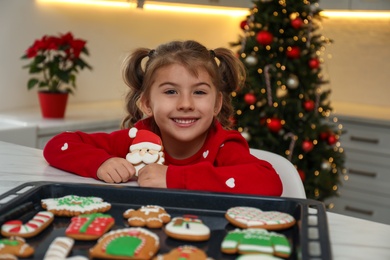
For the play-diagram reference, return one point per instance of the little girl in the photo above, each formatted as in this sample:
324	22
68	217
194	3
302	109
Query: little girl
181	91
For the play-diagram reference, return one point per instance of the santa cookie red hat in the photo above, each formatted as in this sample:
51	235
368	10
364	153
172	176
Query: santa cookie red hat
144	139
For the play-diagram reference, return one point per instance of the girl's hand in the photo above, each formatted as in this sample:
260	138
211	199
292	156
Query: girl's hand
153	175
116	170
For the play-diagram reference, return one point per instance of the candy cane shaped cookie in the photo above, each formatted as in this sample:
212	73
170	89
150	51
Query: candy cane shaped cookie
59	248
32	228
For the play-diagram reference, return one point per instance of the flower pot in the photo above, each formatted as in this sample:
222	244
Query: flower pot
53	105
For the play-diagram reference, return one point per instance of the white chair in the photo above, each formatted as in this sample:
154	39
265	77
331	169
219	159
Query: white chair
292	183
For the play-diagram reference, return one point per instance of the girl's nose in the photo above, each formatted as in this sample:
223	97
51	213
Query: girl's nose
185	102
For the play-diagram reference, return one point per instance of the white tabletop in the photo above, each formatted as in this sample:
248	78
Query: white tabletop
351	238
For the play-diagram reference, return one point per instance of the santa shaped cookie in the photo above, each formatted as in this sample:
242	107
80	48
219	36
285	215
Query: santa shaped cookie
145	149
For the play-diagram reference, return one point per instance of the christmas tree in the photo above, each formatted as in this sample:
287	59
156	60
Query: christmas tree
284	107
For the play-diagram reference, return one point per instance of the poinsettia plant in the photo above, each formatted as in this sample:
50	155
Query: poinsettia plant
56	60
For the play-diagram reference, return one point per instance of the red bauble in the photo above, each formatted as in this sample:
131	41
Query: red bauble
293	52
332	139
309	105
296	23
314	63
274	124
307	146
243	24
264	37
324	135
250	98
302	174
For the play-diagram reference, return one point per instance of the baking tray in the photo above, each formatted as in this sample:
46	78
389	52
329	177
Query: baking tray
309	237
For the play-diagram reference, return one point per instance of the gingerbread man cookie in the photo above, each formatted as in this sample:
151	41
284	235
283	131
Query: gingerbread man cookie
188	228
32	228
150	216
256	240
145	149
248	217
127	243
15	246
185	252
72	205
89	226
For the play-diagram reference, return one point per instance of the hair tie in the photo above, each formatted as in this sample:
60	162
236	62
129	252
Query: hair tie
212	53
151	52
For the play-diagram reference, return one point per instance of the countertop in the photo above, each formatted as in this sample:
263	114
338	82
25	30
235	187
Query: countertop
351	238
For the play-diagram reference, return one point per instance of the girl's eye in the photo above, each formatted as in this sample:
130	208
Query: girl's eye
170	92
200	92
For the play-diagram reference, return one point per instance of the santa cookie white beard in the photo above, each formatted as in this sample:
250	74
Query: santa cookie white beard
146	149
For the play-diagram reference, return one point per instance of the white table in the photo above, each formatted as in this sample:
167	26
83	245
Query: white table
351	238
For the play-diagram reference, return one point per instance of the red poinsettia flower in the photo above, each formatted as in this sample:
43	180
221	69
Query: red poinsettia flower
57	59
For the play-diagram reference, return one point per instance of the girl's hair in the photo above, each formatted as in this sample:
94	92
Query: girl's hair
225	70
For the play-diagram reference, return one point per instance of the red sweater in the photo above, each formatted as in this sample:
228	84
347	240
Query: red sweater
223	164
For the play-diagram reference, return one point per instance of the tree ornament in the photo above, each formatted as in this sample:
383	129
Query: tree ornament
292	81
296	23
314	63
243	24
324	135
332	139
302	174
326	165
274	124
293	52
307	146
264	37
251	60
246	135
309	105
250	98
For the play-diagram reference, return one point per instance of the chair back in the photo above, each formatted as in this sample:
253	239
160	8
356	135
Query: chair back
292	183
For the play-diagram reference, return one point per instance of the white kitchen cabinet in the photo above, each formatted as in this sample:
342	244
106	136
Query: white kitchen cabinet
86	117
365	190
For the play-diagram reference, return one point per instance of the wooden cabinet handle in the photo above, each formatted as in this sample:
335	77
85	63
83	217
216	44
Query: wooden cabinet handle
361	211
364	139
362	173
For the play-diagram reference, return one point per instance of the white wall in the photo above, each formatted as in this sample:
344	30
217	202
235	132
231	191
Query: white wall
359	70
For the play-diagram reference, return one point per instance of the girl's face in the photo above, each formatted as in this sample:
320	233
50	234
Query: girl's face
183	106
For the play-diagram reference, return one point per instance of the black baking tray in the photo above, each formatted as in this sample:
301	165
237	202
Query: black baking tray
309	237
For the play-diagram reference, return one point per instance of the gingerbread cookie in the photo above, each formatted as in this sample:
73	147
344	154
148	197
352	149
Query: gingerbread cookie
127	243
32	228
89	226
72	205
256	240
8	257
15	246
149	216
145	149
188	228
59	248
248	217
185	252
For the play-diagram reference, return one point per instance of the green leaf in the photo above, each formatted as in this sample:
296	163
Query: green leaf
31	83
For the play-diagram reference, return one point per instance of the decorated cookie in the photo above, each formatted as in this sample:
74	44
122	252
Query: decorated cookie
145	149
32	228
89	226
59	248
72	205
185	252
248	217
8	257
127	243
188	228
256	240
15	246
149	216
